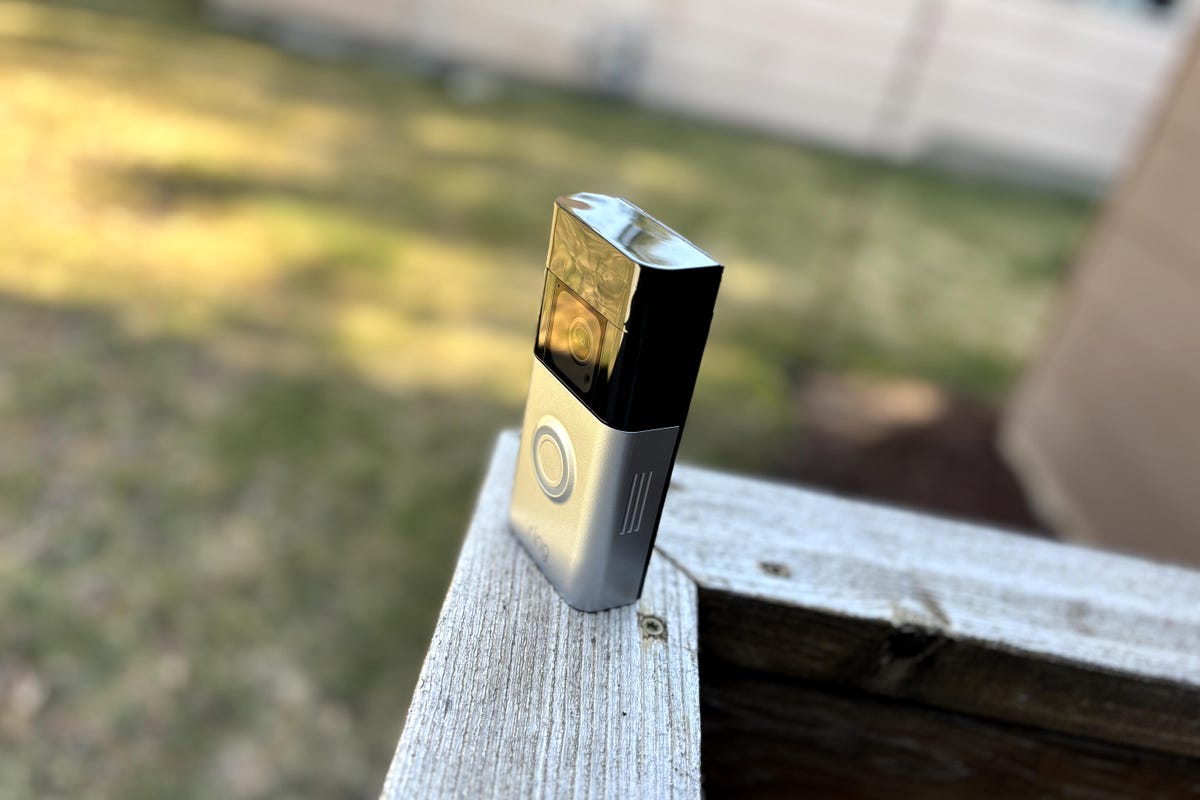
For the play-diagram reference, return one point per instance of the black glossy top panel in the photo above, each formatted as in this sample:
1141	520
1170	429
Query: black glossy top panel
639	236
626	309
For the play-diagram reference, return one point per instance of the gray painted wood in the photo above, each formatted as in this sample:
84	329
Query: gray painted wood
522	696
955	616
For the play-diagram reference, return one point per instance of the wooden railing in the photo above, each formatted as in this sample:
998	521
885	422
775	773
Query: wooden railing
792	642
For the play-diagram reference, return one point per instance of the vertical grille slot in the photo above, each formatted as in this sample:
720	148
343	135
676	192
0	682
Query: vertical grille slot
635	506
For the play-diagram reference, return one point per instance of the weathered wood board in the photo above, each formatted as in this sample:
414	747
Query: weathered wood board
522	696
766	736
844	645
952	615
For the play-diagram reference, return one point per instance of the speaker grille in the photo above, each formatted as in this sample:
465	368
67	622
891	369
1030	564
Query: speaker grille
635	506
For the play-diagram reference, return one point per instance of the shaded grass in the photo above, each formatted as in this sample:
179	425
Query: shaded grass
216	579
263	317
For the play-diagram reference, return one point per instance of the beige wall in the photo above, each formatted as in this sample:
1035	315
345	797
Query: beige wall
1105	429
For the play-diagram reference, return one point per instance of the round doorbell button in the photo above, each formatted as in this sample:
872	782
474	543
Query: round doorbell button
553	460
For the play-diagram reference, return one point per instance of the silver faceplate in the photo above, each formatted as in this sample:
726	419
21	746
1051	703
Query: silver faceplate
593	540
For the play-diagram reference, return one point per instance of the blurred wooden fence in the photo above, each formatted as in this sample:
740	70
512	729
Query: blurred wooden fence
1036	89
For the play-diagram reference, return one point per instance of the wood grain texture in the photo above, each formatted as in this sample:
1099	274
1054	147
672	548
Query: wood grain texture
950	615
522	696
846	646
770	737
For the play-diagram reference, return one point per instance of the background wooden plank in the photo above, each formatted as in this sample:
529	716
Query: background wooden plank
953	616
522	696
765	736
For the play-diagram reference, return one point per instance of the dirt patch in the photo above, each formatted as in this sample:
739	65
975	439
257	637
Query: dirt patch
906	443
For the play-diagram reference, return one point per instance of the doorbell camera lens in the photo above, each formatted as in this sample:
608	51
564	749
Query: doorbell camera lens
576	334
625	312
582	341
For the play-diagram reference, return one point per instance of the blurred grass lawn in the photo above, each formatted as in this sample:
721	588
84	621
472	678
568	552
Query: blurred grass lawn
263	317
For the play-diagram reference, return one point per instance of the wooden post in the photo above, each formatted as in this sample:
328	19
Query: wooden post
821	645
522	696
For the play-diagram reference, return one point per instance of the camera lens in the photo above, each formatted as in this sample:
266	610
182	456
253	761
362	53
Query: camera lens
581	341
574	338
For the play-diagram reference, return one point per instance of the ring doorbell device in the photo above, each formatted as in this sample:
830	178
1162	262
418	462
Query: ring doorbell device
626	307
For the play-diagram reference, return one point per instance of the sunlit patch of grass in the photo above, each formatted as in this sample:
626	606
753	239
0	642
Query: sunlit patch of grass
451	356
263	317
